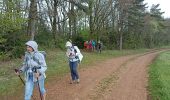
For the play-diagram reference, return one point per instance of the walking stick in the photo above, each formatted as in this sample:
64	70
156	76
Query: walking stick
38	84
16	70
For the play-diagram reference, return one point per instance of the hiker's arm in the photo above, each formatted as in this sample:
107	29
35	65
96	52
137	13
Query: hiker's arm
23	67
70	53
67	54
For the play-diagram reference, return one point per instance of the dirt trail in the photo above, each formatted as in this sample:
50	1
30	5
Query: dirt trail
121	78
132	82
89	78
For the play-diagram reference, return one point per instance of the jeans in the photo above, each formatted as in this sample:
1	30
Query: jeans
30	85
73	70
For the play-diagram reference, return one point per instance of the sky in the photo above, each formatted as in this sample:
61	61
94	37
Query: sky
164	6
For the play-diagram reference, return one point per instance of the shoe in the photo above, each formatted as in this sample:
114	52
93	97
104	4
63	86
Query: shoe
78	80
72	81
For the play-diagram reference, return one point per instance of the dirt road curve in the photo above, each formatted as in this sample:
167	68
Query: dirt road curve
122	78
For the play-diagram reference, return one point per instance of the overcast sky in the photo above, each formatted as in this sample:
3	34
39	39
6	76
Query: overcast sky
164	5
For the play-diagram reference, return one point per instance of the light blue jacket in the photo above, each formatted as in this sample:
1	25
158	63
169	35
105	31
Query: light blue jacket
34	60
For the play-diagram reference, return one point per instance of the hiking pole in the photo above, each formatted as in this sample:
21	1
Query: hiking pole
38	84
16	70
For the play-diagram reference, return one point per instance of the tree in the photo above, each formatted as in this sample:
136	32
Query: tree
32	19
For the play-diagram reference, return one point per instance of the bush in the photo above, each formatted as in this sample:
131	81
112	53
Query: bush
44	38
79	41
61	43
14	45
4	56
17	51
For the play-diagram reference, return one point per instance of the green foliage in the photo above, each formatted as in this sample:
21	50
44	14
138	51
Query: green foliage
79	41
4	56
109	40
11	36
85	34
44	38
8	23
2	42
156	11
61	43
18	51
14	46
139	29
159	77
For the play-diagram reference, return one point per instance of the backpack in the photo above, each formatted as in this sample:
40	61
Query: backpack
44	53
77	50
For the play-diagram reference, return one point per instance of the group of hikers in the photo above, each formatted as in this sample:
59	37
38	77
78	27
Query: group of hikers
91	45
34	67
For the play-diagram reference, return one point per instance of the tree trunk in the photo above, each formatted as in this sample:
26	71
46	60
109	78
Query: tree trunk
121	41
32	19
54	23
91	16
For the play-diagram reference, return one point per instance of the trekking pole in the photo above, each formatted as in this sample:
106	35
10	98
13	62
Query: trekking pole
38	84
16	70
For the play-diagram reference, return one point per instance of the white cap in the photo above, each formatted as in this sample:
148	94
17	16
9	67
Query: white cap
68	44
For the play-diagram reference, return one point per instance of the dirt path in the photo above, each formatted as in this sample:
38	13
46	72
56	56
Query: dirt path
122	78
132	81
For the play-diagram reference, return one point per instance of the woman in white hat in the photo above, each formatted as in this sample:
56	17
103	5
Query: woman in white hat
73	62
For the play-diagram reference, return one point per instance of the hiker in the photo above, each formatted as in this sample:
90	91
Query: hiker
93	45
73	62
86	45
34	67
90	46
99	45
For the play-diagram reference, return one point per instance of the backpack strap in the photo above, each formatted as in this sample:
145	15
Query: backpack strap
75	51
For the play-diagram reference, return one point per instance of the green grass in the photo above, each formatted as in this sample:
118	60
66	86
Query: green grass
57	67
159	77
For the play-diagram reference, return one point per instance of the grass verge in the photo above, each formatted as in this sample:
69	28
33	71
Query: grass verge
159	77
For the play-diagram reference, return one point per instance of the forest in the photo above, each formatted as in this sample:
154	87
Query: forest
119	24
